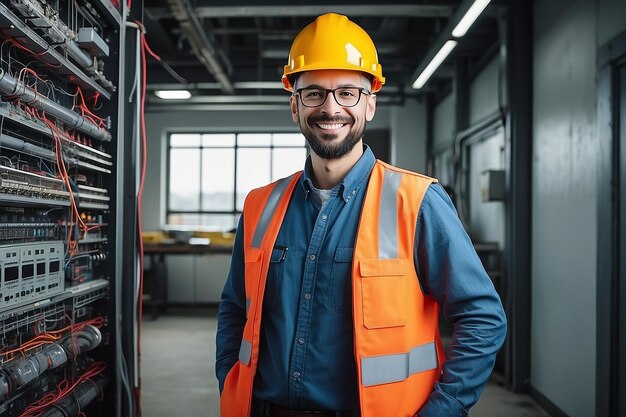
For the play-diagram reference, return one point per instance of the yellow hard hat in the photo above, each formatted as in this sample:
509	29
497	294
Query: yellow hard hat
333	42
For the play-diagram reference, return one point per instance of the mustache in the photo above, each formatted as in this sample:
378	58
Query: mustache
318	118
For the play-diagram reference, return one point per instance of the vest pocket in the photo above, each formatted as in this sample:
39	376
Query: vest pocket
385	291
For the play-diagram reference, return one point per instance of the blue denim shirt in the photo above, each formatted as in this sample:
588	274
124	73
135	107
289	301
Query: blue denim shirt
306	356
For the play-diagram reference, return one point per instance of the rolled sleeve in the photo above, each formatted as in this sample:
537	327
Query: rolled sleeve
441	404
451	272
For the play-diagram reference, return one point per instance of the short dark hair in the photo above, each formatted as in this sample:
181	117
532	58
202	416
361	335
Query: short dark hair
293	78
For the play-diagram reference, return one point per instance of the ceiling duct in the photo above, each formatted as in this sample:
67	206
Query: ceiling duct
202	47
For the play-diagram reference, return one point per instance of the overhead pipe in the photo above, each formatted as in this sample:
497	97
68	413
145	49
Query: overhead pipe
202	46
9	86
10	142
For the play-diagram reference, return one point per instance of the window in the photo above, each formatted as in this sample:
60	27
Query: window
211	174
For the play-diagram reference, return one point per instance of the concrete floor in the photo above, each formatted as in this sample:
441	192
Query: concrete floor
178	377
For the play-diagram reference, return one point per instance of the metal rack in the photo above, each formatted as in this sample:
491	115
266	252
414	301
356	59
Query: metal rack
62	112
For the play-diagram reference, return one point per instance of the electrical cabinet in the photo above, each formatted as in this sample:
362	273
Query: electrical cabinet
66	142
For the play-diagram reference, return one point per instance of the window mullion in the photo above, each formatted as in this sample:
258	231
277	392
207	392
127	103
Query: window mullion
201	205
235	176
167	180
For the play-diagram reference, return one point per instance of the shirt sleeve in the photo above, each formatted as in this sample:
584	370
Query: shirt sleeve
231	316
451	272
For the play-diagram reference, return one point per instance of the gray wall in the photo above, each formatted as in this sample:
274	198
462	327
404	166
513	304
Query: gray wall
486	218
408	135
484	92
444	125
444	132
565	154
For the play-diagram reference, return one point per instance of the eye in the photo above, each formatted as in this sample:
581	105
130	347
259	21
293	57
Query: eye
347	93
313	93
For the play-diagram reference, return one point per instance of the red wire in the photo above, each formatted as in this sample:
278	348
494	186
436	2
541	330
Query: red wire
140	194
144	47
150	51
92	117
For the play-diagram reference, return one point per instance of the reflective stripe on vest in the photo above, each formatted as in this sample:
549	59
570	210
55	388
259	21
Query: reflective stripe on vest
245	351
268	211
388	222
394	368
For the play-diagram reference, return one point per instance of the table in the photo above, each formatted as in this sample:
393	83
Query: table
157	271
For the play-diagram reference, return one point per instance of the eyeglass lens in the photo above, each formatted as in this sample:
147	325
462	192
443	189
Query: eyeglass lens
344	96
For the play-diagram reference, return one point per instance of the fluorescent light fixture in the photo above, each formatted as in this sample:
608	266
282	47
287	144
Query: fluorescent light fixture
470	17
173	94
259	84
434	64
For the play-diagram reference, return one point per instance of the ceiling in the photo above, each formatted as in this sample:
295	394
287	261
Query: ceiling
234	51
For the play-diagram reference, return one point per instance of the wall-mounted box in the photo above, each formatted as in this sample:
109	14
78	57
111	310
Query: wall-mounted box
493	188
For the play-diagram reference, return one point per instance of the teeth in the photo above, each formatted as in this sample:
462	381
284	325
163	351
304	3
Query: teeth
335	126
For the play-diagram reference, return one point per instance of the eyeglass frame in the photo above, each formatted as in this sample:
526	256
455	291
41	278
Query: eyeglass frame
332	91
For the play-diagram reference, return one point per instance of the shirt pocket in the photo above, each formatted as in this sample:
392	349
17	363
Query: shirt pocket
385	291
275	276
340	286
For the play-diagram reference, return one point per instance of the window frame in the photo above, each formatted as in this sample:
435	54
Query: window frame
235	212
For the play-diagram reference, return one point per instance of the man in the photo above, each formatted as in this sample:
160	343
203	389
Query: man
337	275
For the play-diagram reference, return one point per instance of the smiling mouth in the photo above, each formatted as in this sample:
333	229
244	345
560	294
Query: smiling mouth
334	126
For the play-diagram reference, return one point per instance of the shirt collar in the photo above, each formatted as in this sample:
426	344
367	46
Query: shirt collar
351	182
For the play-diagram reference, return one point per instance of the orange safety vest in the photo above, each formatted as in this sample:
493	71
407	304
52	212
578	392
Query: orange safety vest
397	347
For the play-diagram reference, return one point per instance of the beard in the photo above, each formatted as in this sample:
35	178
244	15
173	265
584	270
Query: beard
323	145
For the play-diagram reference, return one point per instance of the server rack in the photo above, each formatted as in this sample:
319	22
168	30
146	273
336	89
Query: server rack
69	157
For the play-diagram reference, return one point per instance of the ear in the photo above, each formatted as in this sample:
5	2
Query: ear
293	103
370	110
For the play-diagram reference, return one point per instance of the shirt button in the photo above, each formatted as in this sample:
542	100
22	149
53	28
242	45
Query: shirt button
324	217
296	375
307	296
312	257
353	192
301	340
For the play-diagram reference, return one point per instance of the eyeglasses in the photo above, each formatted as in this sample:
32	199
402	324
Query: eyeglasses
344	96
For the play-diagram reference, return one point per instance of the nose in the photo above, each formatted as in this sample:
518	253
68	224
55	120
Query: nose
330	106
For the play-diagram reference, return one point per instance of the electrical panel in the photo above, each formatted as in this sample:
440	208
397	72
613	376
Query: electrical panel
59	175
